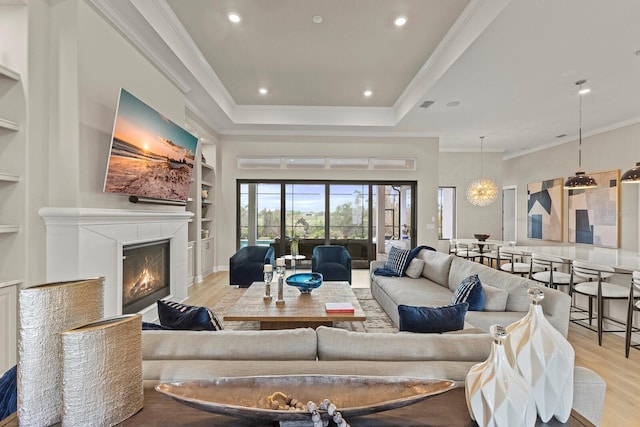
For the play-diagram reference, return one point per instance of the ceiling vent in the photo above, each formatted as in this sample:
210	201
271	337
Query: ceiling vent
426	104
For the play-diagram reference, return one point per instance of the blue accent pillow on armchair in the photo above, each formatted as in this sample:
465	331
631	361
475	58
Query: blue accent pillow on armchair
432	319
470	291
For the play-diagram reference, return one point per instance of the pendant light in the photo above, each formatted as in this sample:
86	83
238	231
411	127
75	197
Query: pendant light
632	176
482	191
580	180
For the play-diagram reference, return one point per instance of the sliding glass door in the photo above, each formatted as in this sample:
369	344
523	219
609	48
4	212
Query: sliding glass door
356	215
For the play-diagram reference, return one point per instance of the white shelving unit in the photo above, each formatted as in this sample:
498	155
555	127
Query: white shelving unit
202	228
11	215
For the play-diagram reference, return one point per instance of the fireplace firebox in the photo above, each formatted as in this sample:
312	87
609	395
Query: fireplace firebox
145	275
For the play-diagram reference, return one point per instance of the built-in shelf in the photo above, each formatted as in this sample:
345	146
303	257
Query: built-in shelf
206	166
7	73
9	228
206	219
8	124
9	177
208	184
207	202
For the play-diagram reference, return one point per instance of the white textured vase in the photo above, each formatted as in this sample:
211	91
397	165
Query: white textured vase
44	312
497	396
544	357
102	372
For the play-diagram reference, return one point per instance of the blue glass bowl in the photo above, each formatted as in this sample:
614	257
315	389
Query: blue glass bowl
305	282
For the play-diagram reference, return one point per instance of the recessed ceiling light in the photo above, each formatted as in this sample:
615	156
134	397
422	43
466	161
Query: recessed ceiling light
317	19
453	103
263	91
400	21
368	93
234	18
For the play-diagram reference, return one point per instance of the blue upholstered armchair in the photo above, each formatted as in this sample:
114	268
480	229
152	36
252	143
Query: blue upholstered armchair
246	266
333	262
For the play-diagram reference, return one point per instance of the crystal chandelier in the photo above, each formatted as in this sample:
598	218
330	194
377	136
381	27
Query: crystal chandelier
482	191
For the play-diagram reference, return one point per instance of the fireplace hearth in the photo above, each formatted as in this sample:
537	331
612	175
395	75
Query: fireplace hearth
145	275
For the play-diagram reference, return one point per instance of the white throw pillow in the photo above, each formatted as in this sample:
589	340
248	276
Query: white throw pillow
414	270
495	299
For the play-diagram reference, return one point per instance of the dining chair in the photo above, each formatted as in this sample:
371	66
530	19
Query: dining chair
515	264
634	305
493	255
591	283
545	269
467	251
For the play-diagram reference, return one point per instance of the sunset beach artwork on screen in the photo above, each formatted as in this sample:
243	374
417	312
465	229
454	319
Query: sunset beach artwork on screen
150	155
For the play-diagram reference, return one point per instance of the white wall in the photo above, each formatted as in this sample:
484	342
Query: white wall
425	150
458	169
616	149
77	63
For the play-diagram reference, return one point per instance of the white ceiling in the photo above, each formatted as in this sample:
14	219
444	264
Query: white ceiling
511	64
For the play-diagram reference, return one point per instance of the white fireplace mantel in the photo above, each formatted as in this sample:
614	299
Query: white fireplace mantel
86	242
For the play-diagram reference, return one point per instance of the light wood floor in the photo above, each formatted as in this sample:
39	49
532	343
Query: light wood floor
622	375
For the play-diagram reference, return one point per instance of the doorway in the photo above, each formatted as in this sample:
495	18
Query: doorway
509	209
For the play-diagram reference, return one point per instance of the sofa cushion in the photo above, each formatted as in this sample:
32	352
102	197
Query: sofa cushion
286	344
187	317
515	285
495	299
397	260
423	292
436	266
470	291
414	270
432	319
340	344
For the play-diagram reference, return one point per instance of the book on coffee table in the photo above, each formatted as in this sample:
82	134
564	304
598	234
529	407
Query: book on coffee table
339	307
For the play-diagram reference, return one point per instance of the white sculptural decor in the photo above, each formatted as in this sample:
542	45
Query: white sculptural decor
544	358
44	312
497	396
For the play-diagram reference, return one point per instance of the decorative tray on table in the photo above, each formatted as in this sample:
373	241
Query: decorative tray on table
248	397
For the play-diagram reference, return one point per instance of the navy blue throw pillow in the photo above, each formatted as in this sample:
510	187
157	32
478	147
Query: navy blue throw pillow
470	291
147	326
432	319
9	393
187	317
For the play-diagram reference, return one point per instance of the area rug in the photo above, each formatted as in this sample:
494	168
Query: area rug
377	319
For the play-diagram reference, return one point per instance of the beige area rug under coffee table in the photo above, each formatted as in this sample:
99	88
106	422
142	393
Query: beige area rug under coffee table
377	319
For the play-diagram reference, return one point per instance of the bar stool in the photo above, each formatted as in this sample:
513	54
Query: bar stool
544	269
595	288
515	264
634	305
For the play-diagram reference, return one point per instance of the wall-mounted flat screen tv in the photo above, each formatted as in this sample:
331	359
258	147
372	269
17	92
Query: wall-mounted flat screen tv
150	156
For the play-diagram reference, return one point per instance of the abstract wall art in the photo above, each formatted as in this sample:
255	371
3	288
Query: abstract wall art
544	209
593	213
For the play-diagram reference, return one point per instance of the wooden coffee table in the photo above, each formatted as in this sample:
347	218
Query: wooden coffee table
299	310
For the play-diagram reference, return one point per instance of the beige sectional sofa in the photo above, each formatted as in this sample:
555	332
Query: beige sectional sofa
505	294
186	355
